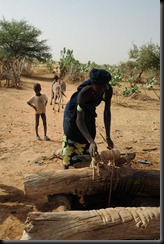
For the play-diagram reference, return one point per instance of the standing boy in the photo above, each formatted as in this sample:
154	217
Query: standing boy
39	102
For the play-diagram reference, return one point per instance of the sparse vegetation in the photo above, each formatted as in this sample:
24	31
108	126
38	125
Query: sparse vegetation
22	53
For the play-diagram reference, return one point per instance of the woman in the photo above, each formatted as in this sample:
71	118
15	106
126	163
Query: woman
79	123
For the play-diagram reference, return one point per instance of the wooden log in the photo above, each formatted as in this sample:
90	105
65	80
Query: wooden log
80	182
104	224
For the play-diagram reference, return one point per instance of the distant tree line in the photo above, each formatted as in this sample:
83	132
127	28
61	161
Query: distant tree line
20	47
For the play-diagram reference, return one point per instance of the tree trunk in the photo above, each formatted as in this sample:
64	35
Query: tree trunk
104	224
89	181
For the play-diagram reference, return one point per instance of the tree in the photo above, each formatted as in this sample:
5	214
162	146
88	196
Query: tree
146	58
69	66
19	44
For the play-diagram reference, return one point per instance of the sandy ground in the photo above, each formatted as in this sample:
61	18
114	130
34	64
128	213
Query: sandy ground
135	128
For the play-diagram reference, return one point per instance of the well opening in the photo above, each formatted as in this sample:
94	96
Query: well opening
104	200
64	198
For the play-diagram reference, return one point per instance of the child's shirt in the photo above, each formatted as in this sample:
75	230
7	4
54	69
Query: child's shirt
39	102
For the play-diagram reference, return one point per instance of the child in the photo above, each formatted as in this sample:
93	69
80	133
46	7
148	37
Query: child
39	102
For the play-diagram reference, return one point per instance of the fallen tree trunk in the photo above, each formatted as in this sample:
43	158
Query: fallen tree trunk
104	224
80	182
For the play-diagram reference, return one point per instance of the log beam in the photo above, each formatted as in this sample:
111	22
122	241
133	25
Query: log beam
80	182
119	223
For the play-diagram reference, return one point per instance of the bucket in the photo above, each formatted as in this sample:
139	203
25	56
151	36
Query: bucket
112	155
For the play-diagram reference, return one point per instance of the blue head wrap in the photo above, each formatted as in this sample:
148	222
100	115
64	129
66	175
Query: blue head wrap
100	76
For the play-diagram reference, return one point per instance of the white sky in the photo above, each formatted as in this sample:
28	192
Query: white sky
100	31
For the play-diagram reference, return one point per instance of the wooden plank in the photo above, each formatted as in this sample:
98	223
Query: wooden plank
80	182
104	224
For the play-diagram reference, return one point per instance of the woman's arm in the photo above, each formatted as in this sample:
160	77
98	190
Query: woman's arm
83	129
107	119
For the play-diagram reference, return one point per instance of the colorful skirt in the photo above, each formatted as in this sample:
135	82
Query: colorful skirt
71	150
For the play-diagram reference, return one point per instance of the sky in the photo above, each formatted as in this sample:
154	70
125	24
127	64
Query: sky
100	31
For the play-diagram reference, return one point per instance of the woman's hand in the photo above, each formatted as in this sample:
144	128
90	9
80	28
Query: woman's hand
110	143
93	149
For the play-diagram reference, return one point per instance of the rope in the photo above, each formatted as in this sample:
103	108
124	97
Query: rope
104	163
96	166
111	177
113	165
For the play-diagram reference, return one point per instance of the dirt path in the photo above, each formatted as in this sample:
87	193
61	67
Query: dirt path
135	128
